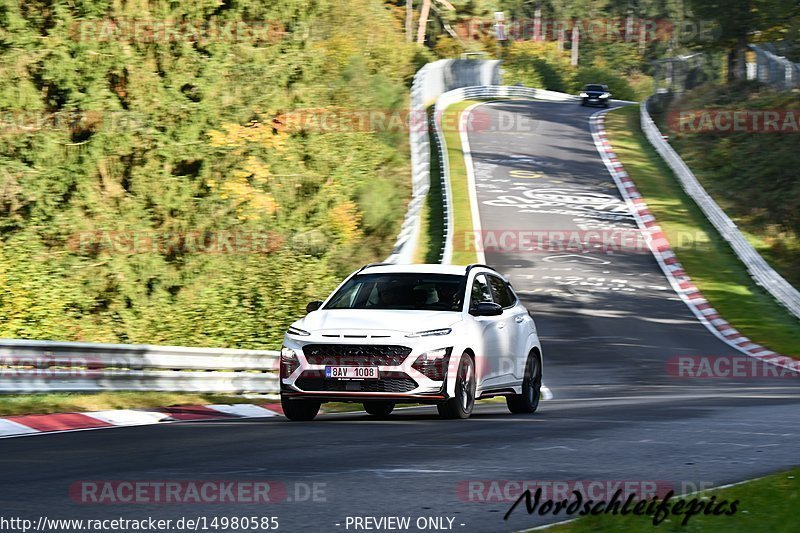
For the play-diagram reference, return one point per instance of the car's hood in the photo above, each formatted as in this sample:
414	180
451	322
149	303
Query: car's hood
354	320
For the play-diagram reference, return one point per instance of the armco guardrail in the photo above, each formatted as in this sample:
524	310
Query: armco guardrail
48	366
759	269
419	142
775	70
474	93
431	81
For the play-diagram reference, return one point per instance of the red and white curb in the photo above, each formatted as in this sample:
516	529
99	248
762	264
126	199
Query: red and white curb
24	425
673	270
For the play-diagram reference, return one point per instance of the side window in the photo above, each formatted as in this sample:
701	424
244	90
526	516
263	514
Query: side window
480	291
500	292
511	293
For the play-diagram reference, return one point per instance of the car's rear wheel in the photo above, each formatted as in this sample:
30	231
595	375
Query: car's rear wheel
379	409
300	410
528	401
463	401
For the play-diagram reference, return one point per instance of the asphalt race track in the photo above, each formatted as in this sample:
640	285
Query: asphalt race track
610	328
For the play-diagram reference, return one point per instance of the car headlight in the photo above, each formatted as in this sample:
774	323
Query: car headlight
433	364
287	353
298	331
604	95
430	333
434	355
584	95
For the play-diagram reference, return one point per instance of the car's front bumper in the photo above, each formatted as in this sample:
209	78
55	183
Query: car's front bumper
398	379
595	101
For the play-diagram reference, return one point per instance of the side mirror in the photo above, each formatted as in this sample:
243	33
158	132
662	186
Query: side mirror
313	306
486	309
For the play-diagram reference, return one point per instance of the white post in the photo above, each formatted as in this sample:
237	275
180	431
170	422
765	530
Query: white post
409	19
423	21
575	45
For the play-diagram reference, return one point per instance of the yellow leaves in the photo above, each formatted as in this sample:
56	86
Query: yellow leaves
263	203
243	188
250	202
257	169
254	134
344	219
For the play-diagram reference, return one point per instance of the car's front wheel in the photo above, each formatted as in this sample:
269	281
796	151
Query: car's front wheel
379	409
463	401
300	410
528	401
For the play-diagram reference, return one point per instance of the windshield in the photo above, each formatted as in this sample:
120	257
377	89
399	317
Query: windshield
598	88
421	292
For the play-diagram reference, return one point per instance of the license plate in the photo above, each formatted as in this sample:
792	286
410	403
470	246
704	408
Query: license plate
592	99
351	372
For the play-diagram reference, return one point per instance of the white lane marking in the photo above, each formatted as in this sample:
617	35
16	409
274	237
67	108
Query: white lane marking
121	418
473	197
246	410
9	428
575	258
128	417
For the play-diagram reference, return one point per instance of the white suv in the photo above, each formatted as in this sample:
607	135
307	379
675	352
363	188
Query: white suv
438	334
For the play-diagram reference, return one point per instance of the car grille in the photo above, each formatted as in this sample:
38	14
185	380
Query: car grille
396	385
355	354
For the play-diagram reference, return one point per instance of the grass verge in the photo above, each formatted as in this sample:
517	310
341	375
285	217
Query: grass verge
750	174
431	238
429	246
766	504
459	186
67	402
706	257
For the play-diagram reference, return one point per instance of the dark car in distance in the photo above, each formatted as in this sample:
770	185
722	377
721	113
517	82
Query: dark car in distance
595	94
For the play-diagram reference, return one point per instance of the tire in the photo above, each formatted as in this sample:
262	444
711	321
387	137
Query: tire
379	409
300	410
528	401
462	403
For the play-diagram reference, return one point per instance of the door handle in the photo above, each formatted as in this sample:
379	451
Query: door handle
519	319
501	325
